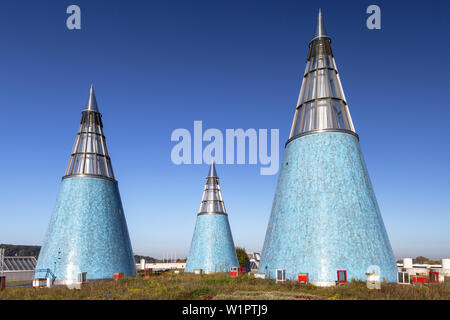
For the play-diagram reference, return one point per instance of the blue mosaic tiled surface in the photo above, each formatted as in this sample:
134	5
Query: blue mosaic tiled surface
87	232
325	216
212	247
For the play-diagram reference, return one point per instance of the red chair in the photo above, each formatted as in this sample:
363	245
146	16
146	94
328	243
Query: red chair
118	276
420	279
303	277
242	271
148	272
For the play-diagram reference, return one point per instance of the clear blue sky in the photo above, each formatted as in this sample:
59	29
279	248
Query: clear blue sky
160	65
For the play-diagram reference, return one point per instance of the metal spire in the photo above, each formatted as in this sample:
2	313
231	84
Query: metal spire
321	105
321	31
92	102
90	155
212	171
212	202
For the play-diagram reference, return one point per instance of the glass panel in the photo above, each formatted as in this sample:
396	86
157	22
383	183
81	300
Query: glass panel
89	143
105	147
84	127
82	143
75	146
71	163
110	172
308	66
301	96
78	166
328	61
99	145
338	121
346	120
216	195
323	85
334	84
101	170
312	64
89	168
321	62
310	86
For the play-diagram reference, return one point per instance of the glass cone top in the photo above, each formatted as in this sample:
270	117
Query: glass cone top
321	105
212	202
90	155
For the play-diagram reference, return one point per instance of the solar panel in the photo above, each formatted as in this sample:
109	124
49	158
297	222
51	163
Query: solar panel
19	263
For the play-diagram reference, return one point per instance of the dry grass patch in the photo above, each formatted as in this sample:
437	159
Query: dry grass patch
266	295
169	286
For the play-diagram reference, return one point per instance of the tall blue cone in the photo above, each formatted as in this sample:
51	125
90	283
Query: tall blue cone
87	231
212	247
325	216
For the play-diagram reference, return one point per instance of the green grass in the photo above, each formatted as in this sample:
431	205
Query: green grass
169	286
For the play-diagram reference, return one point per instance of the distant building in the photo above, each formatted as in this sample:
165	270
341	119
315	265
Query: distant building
162	266
420	269
18	268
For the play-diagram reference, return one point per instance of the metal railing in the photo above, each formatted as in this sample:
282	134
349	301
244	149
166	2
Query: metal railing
48	273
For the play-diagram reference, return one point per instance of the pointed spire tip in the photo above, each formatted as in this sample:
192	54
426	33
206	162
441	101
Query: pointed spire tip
321	31
92	101
212	170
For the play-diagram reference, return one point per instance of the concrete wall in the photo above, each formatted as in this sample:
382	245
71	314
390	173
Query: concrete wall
14	276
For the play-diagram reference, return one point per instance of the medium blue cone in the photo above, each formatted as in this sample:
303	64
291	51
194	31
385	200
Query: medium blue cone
325	216
212	248
87	231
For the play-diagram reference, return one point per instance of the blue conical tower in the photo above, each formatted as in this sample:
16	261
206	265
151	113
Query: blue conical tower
212	247
87	231
325	216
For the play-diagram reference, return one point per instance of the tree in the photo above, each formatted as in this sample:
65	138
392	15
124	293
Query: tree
242	256
421	259
425	260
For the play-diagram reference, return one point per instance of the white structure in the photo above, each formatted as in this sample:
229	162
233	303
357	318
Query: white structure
416	269
161	266
253	264
280	275
446	264
407	263
18	268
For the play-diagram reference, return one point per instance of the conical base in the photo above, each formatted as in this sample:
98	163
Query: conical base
325	216
212	247
87	233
